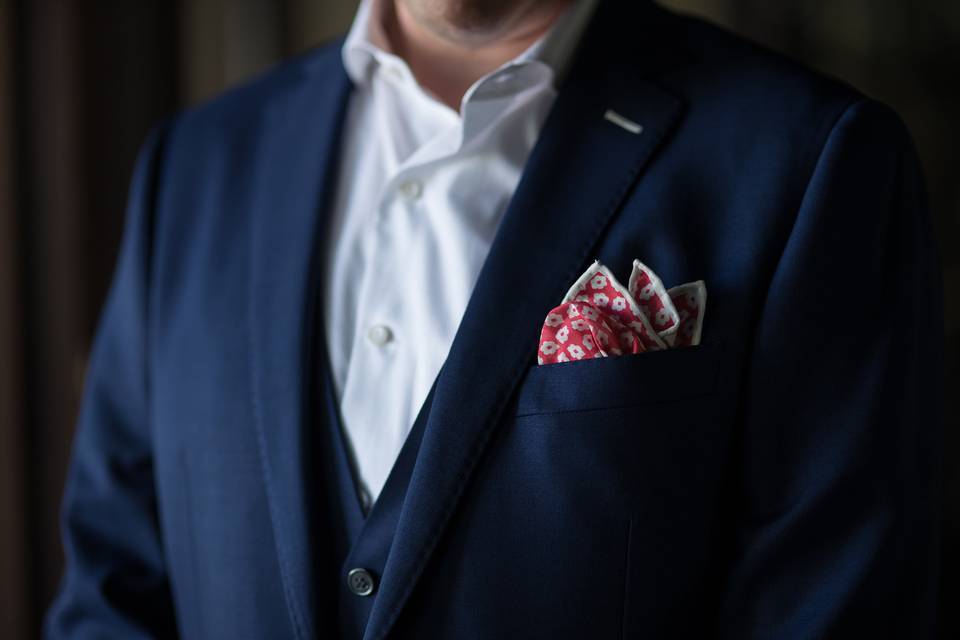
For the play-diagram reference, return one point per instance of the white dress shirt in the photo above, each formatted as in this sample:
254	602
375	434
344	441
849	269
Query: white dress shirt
421	191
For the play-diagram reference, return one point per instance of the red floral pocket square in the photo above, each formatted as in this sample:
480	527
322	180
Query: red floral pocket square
599	317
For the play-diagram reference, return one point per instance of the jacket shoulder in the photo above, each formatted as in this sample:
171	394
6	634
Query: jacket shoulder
238	108
748	78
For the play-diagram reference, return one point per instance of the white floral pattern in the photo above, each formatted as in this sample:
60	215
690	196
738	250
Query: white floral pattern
584	323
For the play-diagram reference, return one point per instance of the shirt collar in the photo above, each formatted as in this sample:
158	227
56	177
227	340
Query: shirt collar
366	46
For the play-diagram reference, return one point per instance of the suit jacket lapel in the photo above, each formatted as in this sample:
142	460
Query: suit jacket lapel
296	154
576	178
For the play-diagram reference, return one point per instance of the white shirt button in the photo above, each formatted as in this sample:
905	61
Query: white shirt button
379	334
411	189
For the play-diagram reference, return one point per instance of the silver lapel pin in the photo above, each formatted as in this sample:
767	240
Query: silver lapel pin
625	123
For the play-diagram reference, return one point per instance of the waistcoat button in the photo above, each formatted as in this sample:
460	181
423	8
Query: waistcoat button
361	582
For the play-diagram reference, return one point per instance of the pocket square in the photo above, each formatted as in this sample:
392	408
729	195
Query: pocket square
599	317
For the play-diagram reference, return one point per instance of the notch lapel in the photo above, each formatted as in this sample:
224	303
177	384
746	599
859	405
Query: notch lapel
577	177
296	155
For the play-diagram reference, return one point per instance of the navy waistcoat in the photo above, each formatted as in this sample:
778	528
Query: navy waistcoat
361	537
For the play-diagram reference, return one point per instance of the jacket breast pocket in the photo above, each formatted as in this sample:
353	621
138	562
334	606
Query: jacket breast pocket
608	473
620	382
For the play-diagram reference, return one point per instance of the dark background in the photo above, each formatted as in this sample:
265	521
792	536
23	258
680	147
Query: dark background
82	82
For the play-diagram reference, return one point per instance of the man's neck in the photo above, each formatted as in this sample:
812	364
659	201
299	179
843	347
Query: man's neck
446	64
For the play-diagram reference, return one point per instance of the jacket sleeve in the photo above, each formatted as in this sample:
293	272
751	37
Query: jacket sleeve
115	582
838	472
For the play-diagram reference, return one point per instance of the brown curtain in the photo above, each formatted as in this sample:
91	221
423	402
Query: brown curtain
13	610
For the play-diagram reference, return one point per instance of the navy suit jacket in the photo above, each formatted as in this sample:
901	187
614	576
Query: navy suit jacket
777	481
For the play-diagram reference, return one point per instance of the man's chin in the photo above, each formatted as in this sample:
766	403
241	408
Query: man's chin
468	21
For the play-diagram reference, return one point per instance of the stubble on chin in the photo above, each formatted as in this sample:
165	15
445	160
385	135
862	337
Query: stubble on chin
466	19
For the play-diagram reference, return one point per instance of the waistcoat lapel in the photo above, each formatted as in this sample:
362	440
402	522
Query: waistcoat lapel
576	178
296	155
